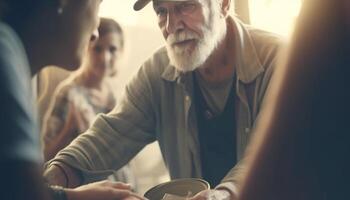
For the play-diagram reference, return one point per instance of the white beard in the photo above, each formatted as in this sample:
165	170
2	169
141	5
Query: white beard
188	58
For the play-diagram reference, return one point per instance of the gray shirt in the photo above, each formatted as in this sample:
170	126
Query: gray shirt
215	95
157	105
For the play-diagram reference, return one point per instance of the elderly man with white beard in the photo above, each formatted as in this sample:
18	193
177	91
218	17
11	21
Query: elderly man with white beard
199	97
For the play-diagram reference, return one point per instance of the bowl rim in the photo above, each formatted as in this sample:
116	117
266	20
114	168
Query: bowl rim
154	188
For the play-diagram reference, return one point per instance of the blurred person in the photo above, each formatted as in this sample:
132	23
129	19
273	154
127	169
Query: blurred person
302	146
198	96
28	31
86	93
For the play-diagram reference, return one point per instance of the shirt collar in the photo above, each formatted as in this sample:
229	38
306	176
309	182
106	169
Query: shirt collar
247	63
171	73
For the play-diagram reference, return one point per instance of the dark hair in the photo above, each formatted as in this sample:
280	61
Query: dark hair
108	25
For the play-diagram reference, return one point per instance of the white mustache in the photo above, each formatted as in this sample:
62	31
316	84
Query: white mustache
181	36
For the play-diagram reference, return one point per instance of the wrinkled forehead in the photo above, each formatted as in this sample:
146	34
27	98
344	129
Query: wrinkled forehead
139	4
156	2
160	2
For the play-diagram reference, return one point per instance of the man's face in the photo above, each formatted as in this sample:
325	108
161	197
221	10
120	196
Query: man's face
192	30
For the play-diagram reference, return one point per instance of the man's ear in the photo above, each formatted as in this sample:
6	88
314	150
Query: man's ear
225	7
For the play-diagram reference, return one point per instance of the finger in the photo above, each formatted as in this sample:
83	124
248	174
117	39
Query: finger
197	198
120	185
201	195
120	194
138	197
104	182
116	185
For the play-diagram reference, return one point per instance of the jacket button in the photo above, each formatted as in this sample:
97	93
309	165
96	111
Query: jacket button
247	130
208	115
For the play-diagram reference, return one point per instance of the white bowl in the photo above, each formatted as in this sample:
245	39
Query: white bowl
179	187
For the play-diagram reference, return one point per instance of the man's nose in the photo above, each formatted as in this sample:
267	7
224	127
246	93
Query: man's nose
174	22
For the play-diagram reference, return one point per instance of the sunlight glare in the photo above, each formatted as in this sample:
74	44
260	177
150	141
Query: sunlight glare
274	15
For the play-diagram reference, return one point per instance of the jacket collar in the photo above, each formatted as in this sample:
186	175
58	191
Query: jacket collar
247	62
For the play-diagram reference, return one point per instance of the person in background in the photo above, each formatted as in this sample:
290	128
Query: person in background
86	93
28	32
198	96
302	146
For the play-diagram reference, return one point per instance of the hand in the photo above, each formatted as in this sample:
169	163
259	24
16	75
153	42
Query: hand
103	190
132	197
62	175
215	194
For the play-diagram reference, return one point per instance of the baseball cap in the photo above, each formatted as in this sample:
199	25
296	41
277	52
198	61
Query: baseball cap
139	4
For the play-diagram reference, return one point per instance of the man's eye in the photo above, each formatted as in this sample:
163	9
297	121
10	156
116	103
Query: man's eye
187	8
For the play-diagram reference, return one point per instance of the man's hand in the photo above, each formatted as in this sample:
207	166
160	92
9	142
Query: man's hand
215	194
105	190
62	175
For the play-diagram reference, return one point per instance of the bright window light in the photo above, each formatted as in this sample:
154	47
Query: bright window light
274	15
123	12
